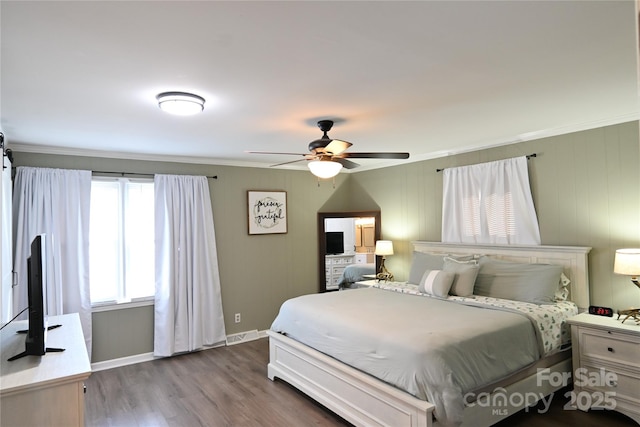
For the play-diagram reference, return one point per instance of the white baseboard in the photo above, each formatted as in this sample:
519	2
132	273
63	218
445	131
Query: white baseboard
122	361
146	357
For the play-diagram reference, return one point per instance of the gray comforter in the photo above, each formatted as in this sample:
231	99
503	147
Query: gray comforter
433	349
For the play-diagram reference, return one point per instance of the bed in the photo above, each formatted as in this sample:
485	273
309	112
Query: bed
354	273
346	381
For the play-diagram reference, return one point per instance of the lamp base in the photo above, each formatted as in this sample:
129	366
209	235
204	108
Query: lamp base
387	277
633	313
383	273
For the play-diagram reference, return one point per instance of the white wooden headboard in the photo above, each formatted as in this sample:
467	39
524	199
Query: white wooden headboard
574	259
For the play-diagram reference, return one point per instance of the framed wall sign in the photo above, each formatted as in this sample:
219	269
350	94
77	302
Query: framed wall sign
267	212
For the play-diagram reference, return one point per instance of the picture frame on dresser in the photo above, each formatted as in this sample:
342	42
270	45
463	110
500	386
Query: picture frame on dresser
267	212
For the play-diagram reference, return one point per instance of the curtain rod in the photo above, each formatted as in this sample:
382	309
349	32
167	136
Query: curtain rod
13	169
141	174
528	157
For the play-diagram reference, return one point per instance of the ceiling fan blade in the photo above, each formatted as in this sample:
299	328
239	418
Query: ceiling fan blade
377	155
347	164
337	146
292	161
273	152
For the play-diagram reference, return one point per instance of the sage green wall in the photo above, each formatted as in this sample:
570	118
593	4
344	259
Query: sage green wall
586	190
257	272
123	332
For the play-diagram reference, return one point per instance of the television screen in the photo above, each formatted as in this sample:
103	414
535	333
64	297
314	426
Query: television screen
335	242
36	269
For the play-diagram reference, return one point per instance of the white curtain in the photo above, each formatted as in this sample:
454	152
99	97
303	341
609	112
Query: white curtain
188	304
489	203
6	301
55	202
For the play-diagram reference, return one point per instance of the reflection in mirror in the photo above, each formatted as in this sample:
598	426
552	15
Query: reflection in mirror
346	248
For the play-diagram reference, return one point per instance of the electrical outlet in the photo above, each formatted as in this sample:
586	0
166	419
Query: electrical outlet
237	318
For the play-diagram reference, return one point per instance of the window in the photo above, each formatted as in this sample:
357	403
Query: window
489	203
121	240
497	213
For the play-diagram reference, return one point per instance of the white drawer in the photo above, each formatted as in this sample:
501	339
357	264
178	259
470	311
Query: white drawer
612	380
337	270
612	347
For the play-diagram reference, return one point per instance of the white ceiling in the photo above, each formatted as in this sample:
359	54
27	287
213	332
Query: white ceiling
431	78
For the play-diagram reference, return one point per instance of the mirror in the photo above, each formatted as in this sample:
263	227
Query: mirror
356	233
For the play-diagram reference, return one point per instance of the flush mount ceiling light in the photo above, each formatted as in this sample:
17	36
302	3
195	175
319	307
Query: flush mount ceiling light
180	103
324	168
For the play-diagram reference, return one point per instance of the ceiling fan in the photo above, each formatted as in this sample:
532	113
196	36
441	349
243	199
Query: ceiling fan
327	156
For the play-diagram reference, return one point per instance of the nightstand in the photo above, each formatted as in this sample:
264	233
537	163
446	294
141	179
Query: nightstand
606	364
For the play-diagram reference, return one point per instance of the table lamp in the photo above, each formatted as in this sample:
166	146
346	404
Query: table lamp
384	248
627	262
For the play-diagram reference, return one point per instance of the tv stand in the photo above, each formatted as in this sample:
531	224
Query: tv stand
44	391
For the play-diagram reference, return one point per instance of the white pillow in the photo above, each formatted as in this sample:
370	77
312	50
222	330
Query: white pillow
436	282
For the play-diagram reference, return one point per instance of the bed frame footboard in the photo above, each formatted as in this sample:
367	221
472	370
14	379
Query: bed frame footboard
355	396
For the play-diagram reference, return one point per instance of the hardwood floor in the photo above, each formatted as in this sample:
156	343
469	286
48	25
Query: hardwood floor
228	386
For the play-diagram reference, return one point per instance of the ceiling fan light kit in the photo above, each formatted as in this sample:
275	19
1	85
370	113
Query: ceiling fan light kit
180	103
324	169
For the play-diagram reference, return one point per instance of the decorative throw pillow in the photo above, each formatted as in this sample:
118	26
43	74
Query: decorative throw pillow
465	276
436	282
422	262
535	283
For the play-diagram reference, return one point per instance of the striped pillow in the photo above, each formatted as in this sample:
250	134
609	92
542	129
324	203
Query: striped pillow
436	282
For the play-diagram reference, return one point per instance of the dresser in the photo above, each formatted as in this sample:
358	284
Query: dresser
606	364
334	266
44	390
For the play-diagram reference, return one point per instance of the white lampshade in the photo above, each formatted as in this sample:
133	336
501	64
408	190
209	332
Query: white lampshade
324	168
627	262
384	247
180	103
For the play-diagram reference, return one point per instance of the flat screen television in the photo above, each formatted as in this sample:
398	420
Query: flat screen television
335	242
36	335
